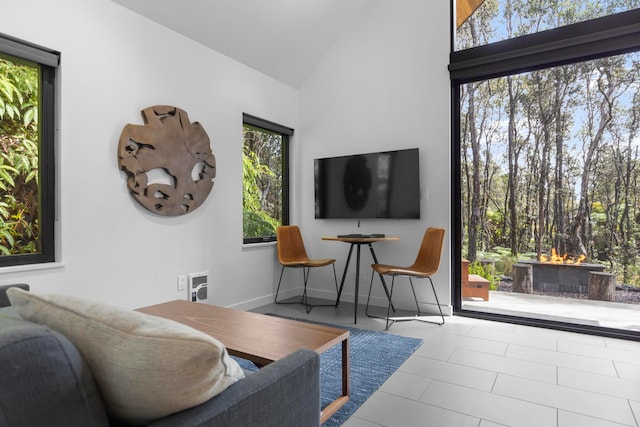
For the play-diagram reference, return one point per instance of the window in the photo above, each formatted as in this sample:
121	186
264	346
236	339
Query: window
27	174
546	136
265	179
495	20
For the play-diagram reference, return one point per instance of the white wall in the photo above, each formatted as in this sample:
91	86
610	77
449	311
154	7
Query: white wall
384	86
114	64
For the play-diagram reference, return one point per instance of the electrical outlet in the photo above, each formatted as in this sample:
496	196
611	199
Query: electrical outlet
424	194
182	282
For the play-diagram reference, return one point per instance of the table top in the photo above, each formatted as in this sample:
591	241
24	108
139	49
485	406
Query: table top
252	336
359	239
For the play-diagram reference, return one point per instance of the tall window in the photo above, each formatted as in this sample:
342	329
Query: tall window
546	98
27	175
265	179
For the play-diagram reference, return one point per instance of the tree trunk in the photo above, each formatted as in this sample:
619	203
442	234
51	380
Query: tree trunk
602	286
522	275
603	115
475	186
513	169
558	210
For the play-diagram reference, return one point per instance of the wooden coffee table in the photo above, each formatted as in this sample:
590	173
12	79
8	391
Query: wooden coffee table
260	338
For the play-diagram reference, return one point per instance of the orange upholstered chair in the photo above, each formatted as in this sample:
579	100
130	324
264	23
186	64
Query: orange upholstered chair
426	265
292	254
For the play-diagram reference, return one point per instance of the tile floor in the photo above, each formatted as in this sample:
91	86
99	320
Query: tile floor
479	373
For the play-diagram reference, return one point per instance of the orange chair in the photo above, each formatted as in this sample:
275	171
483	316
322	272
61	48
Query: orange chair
291	253
426	265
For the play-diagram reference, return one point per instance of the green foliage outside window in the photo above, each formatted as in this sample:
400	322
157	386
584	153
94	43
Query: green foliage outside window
19	194
261	182
484	271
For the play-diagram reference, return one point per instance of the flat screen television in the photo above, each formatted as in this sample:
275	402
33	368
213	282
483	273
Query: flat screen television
372	185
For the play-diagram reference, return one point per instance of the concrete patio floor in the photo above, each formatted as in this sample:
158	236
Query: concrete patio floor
570	310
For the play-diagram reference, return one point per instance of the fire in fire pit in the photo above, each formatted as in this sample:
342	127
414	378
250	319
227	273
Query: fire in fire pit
557	259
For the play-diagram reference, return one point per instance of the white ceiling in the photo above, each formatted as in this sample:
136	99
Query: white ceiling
284	39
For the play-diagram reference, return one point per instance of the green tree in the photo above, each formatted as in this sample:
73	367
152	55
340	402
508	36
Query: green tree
261	181
19	195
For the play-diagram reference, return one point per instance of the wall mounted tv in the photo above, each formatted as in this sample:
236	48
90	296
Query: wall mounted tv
372	185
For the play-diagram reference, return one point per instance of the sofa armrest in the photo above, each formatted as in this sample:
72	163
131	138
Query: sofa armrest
4	299
43	379
283	393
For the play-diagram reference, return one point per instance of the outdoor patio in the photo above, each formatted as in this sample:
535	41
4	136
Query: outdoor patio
571	310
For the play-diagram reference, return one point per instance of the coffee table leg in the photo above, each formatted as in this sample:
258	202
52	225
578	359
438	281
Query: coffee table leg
346	376
346	385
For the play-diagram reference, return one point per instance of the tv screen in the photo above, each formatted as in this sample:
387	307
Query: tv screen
372	185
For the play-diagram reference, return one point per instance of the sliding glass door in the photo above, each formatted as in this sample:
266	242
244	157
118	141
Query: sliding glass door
547	163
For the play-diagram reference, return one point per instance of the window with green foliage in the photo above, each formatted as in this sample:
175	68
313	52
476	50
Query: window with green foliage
265	179
27	204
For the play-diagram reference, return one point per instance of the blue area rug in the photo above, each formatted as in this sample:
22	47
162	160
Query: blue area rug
374	357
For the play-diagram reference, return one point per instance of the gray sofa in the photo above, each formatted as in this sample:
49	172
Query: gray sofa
45	382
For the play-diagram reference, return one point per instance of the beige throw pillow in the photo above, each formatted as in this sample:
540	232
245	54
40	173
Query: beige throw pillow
145	366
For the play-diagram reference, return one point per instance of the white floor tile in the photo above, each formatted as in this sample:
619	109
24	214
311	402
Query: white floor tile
628	371
623	344
490	406
539	333
567	360
602	384
505	365
635	407
354	421
485	423
606	353
571	419
479	379
392	411
469	343
406	385
434	351
572	400
544	341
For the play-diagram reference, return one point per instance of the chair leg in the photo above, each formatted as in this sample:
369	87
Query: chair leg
414	296
304	299
437	301
418	307
366	310
393	280
305	275
419	314
279	282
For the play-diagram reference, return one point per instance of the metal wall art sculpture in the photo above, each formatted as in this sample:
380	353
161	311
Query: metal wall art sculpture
169	163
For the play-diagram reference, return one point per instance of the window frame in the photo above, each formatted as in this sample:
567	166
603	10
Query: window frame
286	132
48	60
587	40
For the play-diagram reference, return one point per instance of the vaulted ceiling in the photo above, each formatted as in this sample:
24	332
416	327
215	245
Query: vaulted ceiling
284	39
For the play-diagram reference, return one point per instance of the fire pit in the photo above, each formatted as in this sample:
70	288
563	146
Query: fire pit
557	274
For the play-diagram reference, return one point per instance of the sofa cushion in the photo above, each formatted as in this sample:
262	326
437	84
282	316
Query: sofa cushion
44	380
146	367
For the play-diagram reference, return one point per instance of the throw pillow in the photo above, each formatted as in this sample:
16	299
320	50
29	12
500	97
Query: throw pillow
146	367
